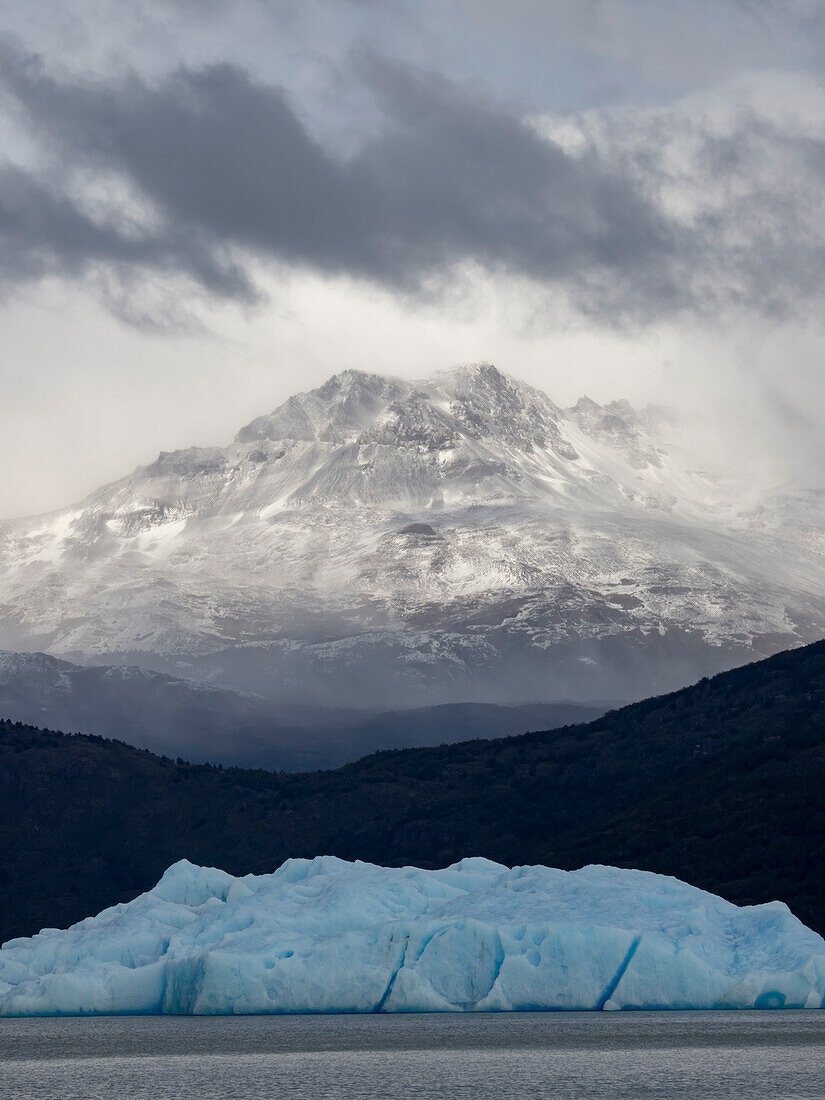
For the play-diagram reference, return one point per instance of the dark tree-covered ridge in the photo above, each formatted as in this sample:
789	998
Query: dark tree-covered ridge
721	784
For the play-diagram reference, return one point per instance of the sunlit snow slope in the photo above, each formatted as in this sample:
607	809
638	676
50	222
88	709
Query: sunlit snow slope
394	543
324	935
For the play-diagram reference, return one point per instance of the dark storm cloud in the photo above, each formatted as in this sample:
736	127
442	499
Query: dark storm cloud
227	170
45	233
228	165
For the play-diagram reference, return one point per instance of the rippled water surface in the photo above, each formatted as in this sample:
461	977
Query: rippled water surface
618	1055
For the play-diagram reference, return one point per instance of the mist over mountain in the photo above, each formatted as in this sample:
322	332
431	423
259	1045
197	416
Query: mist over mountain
208	724
382	544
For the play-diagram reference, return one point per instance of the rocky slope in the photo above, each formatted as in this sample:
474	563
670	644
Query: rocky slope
386	543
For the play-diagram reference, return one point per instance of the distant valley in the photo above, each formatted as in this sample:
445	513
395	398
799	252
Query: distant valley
206	723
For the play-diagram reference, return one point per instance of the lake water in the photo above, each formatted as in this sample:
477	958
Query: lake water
692	1055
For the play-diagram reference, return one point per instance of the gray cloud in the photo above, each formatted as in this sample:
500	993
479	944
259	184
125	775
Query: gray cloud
225	169
741	175
228	166
45	233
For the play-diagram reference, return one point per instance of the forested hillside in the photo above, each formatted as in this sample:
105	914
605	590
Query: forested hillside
721	784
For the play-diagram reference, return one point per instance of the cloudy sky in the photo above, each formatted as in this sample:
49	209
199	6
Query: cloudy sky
206	205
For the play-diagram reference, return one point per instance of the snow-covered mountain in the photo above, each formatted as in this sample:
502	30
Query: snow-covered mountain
391	543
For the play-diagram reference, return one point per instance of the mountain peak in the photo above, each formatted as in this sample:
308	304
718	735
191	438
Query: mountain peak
481	373
351	383
472	401
344	405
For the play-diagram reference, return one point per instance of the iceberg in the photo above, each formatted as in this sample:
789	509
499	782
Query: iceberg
325	935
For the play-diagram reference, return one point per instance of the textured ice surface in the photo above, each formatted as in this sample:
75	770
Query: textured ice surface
324	935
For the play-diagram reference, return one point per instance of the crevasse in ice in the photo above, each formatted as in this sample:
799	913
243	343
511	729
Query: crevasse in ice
324	935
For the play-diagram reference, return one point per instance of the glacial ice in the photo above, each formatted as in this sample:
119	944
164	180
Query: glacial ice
324	935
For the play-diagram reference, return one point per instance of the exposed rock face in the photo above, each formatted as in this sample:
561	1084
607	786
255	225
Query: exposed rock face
394	543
